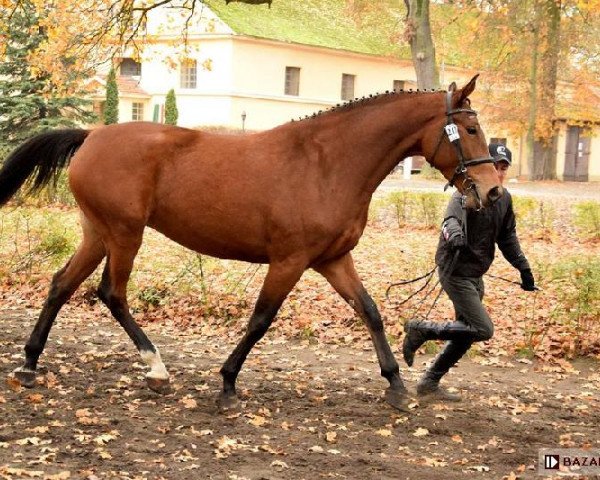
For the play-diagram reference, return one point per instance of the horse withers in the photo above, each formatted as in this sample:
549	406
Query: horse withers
294	197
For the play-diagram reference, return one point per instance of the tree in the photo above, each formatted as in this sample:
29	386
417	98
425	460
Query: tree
526	50
542	158
29	100
171	113
418	35
90	32
111	107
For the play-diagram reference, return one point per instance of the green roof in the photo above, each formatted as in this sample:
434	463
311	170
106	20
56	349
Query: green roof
323	23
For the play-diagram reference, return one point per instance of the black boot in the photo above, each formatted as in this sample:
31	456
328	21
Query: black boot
429	387
418	332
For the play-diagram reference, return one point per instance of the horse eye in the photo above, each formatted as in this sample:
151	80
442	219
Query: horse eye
471	130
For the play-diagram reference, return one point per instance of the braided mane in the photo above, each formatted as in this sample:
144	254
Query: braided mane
366	100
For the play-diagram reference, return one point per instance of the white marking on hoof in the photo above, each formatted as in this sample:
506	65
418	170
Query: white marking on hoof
157	367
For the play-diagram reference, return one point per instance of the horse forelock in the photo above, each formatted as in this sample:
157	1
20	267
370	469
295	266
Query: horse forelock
366	100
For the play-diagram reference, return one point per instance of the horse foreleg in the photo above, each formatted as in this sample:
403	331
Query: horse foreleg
113	292
342	276
64	283
279	281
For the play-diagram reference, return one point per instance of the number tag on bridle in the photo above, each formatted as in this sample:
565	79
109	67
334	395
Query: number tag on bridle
452	132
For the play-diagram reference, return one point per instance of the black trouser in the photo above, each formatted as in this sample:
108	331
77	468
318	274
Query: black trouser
466	294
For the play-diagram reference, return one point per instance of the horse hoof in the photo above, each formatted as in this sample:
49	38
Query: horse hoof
159	385
25	377
228	403
397	398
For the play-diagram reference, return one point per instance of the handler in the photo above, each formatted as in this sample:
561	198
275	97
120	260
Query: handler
464	284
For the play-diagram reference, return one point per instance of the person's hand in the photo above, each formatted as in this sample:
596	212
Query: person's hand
457	242
527	280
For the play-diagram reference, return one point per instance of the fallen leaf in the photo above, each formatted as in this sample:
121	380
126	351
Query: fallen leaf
13	384
35	398
188	402
65	475
384	432
420	432
42	429
258	421
279	465
479	468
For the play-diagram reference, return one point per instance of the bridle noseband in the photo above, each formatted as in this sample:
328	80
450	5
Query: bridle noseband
451	132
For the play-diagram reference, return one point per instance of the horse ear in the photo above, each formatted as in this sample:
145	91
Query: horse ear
452	87
468	89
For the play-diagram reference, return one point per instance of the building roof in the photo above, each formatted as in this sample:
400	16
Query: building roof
127	86
323	23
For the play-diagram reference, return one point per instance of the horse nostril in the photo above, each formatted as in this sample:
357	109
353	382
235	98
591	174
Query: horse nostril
494	194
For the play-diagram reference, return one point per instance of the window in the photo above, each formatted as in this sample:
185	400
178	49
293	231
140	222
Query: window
292	81
130	68
137	111
398	85
188	74
348	86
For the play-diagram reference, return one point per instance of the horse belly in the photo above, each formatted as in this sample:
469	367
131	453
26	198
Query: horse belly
212	231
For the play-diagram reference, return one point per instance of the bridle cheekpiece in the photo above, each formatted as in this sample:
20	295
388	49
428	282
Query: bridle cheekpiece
450	131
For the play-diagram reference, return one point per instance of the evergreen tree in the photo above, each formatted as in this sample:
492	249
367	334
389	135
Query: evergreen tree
171	112
29	102
111	108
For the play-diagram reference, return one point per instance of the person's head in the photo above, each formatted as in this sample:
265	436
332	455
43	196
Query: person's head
502	159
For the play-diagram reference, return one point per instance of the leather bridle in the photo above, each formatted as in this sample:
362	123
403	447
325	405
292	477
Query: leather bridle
450	131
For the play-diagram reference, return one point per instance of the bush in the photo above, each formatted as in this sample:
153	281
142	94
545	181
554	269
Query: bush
578	280
47	240
4	151
111	108
171	112
418	208
587	219
533	214
430	173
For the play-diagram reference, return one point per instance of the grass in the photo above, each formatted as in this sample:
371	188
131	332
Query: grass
587	219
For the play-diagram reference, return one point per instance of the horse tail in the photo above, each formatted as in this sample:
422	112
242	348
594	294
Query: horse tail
39	161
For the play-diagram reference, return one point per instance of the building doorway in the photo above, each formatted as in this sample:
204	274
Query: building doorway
577	155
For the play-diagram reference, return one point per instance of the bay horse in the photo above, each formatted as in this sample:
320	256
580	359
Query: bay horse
294	197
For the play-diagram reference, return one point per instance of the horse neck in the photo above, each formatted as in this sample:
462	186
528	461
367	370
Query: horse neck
373	139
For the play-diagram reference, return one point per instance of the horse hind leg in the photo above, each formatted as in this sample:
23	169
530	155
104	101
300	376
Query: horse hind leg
64	283
343	277
280	280
113	293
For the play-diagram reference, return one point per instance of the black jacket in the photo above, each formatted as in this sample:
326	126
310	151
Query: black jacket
485	228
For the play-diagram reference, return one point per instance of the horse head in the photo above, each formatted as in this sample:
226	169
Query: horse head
455	144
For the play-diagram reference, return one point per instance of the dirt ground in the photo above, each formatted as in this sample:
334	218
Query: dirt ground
310	411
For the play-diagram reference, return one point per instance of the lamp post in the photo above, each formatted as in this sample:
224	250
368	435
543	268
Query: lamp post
243	120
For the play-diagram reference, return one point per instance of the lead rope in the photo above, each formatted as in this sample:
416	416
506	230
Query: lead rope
445	273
